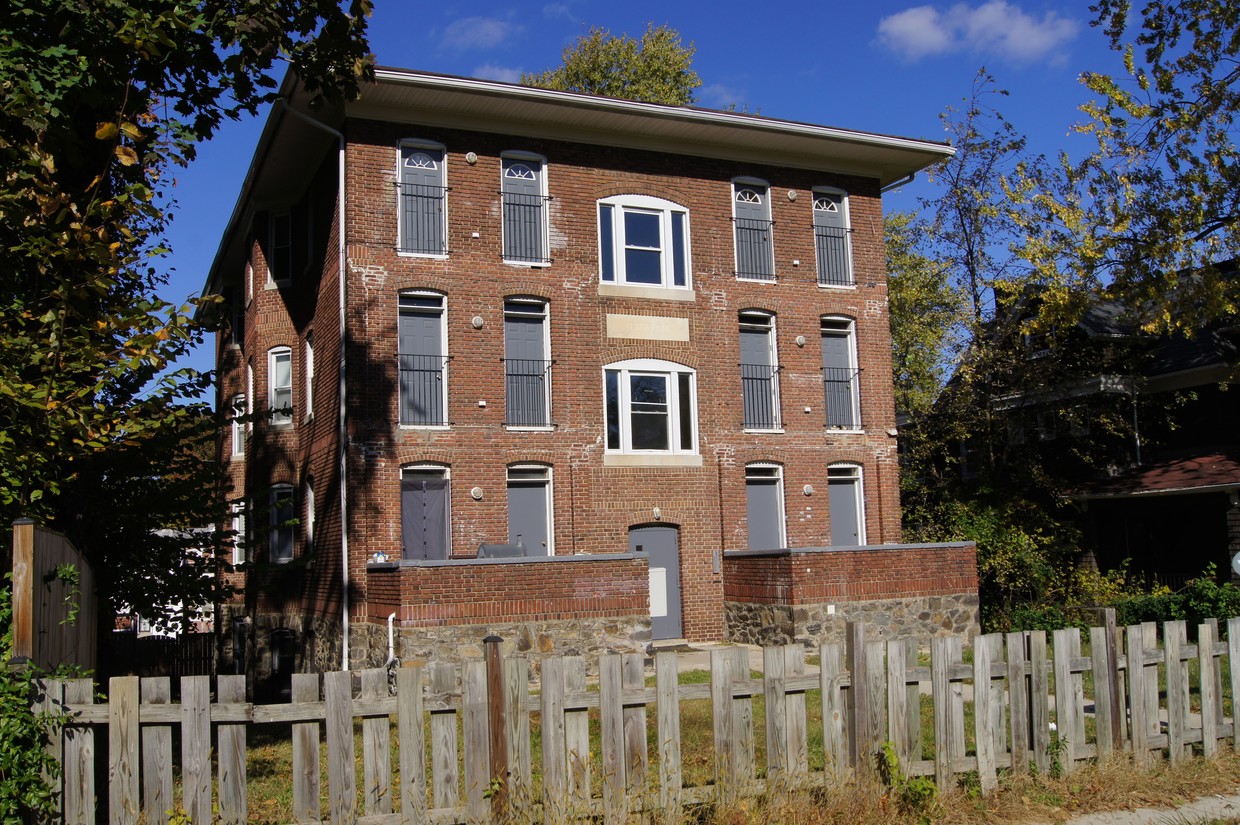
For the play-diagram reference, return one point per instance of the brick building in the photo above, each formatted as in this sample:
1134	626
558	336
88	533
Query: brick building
534	363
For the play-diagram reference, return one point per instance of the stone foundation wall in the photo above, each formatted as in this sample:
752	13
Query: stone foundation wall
814	624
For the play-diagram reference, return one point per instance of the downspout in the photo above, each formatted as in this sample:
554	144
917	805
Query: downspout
896	184
342	430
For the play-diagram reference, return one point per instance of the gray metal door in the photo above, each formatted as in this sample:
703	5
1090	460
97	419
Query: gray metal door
424	516
845	511
753	233
661	546
523	211
527	511
422	196
525	368
766	528
420	335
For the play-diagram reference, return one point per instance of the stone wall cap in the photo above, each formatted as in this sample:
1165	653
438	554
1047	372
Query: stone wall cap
843	548
471	562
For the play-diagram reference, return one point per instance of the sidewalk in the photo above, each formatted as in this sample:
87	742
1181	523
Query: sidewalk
1197	811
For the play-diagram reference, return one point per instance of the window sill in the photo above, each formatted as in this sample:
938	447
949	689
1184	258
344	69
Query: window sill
657	293
761	430
838	287
518	428
643	460
434	256
845	431
280	426
746	279
527	264
237	457
443	427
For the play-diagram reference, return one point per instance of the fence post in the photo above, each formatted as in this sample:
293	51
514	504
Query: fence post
23	592
858	697
497	724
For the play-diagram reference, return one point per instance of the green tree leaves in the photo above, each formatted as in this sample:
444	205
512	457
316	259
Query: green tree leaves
655	69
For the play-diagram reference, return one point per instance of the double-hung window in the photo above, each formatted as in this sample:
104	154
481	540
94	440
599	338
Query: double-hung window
527	369
422	217
237	427
832	238
281	523
422	353
651	407
308	368
523	189
840	374
759	371
751	217
764	500
280	385
643	242
237	528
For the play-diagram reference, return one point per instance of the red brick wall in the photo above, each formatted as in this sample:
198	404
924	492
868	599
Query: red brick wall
482	593
872	573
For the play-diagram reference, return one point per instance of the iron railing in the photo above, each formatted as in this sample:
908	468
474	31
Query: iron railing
526	381
525	228
760	396
422	389
421	213
840	391
754	260
834	258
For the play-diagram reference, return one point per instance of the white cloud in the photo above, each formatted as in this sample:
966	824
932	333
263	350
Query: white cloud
996	28
717	96
489	71
557	11
477	33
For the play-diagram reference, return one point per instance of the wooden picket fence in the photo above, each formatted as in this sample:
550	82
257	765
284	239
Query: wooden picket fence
481	714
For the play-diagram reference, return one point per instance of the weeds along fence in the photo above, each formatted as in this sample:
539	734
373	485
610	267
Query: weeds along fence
475	741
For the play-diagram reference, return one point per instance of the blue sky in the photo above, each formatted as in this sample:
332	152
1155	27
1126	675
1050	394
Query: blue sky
889	67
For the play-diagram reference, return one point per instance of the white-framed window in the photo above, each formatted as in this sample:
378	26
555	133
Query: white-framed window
759	371
281	523
280	385
840	375
651	407
847	504
249	276
249	395
422	347
237	428
644	242
530	509
833	238
753	230
280	247
309	371
422	217
308	494
527	363
523	191
237	526
764	503
425	511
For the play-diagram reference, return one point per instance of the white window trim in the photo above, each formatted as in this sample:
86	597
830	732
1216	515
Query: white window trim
845	205
309	372
543	191
645	203
237	427
853	365
238	515
400	178
278	492
860	484
310	514
249	395
779	479
754	183
278	418
443	340
550	498
671	371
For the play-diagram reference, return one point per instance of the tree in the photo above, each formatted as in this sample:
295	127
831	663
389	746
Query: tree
101	103
1148	213
656	69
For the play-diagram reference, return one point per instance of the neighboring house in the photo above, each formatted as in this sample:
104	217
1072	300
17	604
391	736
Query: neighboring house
521	361
1140	431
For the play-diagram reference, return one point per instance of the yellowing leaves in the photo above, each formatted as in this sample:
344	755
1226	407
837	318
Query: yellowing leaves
105	131
126	155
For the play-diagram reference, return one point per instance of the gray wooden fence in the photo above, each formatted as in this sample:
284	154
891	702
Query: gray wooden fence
480	717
